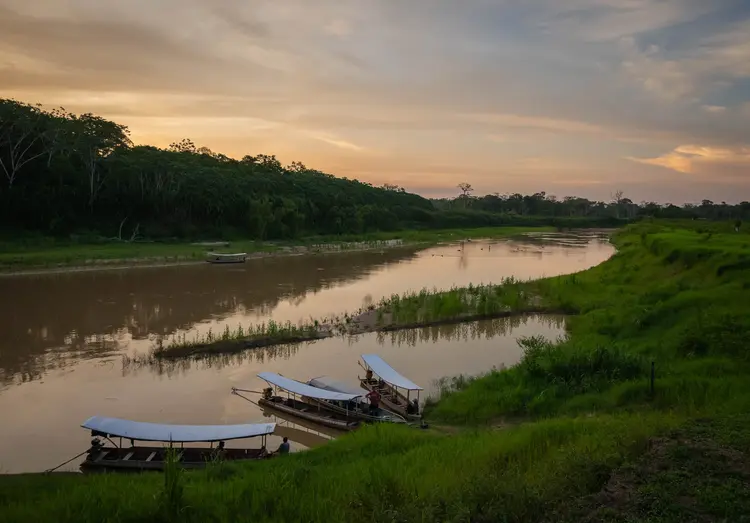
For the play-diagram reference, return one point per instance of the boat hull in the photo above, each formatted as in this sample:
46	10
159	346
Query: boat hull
307	412
380	415
213	257
392	399
144	459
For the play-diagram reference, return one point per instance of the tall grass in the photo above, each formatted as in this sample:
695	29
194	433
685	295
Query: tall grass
171	500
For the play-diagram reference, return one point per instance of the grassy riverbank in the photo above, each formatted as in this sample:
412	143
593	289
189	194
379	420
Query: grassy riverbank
41	253
572	433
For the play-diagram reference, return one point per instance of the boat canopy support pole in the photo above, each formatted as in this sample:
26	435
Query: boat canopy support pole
66	462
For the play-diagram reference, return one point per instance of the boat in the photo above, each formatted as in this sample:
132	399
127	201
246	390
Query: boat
118	458
217	257
306	402
391	385
358	408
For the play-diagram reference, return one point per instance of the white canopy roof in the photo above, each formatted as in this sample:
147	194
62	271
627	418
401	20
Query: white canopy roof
142	431
387	374
328	383
305	390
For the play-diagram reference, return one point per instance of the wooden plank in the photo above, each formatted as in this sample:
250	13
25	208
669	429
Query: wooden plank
128	456
151	456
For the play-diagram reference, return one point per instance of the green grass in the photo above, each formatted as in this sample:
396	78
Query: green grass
572	433
46	253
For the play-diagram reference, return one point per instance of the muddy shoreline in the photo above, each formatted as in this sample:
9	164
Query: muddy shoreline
178	261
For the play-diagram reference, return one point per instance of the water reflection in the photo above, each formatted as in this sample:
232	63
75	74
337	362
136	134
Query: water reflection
465	331
47	320
200	392
50	322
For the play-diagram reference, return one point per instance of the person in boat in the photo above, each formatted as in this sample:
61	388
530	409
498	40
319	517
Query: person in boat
284	447
219	451
413	407
374	397
267	393
368	375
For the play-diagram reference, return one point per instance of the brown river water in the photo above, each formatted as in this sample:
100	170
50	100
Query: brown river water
64	335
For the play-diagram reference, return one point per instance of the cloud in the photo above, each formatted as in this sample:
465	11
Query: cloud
714	109
338	27
336	142
690	159
609	20
533	122
711	64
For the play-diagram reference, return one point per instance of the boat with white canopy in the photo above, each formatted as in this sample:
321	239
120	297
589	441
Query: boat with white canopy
119	457
359	408
398	393
306	402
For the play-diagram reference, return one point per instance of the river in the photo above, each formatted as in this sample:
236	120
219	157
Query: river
64	335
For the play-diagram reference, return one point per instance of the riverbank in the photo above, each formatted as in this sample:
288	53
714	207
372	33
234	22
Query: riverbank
40	255
596	442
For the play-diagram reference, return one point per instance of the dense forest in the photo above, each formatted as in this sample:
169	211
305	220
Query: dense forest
67	173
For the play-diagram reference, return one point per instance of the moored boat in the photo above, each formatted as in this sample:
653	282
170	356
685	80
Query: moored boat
118	458
217	257
358	408
306	401
382	377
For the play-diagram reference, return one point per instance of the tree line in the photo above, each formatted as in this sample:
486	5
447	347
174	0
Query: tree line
66	173
619	206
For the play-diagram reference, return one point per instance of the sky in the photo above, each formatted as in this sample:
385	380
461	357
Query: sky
571	97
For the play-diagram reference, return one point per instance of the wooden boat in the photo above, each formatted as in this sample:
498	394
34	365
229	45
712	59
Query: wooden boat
118	458
217	257
306	411
382	377
357	408
308	402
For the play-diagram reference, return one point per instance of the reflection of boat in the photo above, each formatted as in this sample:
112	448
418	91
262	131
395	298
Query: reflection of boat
357	408
389	386
217	257
305	402
117	458
300	430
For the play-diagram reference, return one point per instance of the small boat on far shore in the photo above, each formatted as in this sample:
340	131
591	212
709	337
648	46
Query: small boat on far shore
118	458
217	257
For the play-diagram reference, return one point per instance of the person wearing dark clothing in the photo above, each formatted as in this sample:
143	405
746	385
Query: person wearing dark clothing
284	447
374	397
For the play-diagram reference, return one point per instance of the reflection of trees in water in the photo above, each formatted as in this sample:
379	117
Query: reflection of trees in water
49	317
213	361
455	332
574	239
467	331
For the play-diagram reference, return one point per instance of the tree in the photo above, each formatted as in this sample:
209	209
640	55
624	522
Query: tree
466	189
23	132
98	138
183	146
